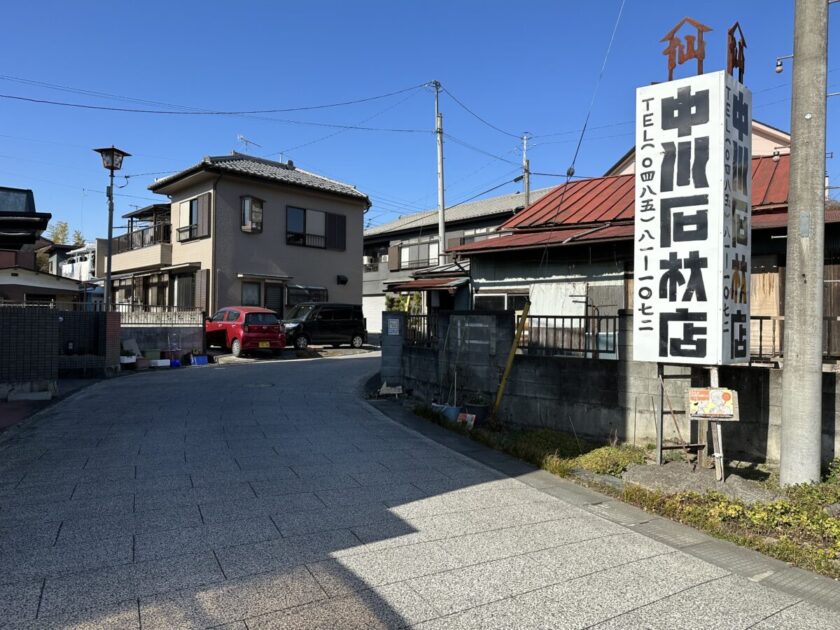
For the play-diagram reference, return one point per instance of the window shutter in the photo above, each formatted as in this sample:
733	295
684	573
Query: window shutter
336	231
202	278
203	228
394	258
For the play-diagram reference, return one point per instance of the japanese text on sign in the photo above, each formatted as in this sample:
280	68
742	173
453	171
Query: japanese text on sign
693	205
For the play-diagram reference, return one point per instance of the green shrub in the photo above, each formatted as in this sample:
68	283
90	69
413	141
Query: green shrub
611	460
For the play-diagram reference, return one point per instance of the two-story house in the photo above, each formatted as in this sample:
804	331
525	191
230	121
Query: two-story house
398	252
21	227
242	230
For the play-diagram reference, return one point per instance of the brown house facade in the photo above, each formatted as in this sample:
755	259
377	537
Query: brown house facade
241	230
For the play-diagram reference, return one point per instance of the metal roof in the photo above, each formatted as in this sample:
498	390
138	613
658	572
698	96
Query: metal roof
429	284
268	170
603	209
462	212
612	198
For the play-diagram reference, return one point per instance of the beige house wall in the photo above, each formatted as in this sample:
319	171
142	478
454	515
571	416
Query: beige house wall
199	250
160	254
267	254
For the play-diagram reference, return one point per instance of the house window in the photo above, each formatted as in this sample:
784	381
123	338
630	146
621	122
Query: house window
295	226
194	218
250	294
252	214
489	302
419	255
313	228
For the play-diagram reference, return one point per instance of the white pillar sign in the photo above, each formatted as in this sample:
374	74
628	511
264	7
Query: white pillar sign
693	209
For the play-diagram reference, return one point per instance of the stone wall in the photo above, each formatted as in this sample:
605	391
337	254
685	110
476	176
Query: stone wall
601	399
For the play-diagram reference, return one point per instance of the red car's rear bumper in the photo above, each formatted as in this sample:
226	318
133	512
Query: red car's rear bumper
256	342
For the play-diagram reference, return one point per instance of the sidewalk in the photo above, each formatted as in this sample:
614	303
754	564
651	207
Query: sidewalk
810	587
12	413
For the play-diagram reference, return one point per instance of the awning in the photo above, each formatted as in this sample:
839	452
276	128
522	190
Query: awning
430	284
263	276
182	267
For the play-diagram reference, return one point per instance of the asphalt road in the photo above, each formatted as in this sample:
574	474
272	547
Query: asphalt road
271	496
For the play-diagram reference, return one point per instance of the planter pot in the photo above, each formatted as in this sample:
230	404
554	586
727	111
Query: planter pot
480	411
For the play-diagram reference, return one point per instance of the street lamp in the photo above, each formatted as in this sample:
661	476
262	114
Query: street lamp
112	159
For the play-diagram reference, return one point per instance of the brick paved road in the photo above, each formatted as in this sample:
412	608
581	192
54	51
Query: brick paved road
270	496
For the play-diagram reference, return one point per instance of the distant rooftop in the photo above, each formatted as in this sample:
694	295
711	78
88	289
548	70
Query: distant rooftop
462	212
268	170
16	200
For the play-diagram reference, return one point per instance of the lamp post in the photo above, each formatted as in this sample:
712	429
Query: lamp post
112	159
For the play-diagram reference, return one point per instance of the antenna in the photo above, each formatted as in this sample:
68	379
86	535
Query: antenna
246	142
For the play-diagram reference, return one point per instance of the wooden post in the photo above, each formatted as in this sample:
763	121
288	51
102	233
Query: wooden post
520	328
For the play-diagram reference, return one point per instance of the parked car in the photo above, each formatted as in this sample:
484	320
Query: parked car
243	328
325	323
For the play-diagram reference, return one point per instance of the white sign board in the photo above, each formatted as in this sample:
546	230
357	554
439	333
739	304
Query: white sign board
693	207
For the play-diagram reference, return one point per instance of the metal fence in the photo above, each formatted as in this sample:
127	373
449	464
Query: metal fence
767	337
421	330
588	336
131	314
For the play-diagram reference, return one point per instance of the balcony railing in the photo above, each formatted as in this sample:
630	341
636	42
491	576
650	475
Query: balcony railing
146	237
187	232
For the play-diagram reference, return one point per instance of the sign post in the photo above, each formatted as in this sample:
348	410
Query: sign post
693	214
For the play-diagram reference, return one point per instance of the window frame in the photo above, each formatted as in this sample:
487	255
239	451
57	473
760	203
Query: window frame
251	283
251	226
333	226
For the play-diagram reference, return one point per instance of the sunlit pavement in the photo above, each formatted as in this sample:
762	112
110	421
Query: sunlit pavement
272	495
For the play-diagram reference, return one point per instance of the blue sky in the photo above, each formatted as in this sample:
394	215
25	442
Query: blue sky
523	66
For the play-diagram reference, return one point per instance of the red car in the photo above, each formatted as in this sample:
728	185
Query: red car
243	328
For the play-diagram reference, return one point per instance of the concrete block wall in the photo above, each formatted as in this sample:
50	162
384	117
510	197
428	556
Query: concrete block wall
603	399
28	344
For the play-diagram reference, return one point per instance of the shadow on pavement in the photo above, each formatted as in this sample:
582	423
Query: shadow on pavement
212	496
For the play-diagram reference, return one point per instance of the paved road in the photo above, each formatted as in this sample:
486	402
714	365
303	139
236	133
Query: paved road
270	496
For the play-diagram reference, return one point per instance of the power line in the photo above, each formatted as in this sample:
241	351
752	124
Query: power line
477	150
178	113
472	113
571	170
340	131
194	111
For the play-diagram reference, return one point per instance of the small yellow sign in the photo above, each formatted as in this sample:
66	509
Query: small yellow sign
714	403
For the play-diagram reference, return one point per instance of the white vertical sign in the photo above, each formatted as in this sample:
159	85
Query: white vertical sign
692	236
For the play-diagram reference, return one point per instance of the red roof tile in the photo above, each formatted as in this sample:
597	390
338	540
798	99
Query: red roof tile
613	198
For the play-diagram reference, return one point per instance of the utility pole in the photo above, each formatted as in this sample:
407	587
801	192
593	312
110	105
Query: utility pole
526	169
441	205
802	369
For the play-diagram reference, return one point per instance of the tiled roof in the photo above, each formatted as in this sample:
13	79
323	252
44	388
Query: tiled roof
612	198
249	166
462	212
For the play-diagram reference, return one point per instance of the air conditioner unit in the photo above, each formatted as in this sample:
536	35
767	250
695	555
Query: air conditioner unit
366	260
383	258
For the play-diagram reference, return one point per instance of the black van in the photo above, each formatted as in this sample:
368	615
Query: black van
325	323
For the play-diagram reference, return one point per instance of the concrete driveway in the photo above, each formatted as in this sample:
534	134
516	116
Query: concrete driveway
271	496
